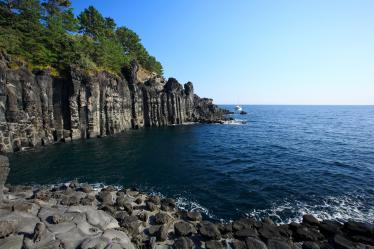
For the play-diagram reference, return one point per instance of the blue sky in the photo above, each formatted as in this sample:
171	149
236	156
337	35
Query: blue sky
258	51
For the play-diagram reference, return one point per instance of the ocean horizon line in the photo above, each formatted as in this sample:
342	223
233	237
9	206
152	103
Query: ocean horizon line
299	104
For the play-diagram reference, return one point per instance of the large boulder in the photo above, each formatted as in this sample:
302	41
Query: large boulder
310	245
183	228
132	224
159	231
23	222
214	244
329	228
343	243
184	243
269	231
359	228
225	228
304	233
97	218
255	243
310	219
168	204
154	199
118	237
209	230
249	232
7	227
162	218
244	224
238	244
278	244
193	216
106	197
12	242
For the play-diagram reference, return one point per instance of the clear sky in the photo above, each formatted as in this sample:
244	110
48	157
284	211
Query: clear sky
258	51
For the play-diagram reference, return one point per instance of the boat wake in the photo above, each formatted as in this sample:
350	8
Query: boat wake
235	122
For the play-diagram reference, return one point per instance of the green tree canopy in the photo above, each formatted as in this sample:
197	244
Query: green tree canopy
92	23
46	33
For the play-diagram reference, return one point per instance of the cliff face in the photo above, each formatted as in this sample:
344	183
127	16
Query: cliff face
38	109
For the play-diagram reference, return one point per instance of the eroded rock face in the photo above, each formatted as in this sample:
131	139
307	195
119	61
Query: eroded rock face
38	109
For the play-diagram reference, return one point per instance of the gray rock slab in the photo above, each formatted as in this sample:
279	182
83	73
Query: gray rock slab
12	242
118	237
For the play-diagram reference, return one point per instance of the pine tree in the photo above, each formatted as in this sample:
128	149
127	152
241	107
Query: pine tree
92	23
44	33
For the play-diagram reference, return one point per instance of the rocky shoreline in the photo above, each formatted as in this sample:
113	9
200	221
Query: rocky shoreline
75	215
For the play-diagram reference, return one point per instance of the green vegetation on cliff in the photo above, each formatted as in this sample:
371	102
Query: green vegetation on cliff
47	34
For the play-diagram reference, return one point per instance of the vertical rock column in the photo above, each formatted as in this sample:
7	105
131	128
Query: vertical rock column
174	92
136	97
4	171
45	97
93	109
75	109
189	101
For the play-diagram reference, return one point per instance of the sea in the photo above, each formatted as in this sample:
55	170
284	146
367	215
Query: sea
276	161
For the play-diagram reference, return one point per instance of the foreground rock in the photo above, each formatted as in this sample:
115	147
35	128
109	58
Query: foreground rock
37	108
77	216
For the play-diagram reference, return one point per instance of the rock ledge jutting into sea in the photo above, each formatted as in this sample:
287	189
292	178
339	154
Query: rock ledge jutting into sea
37	108
75	215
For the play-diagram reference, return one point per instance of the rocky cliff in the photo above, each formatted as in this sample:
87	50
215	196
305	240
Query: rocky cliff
38	109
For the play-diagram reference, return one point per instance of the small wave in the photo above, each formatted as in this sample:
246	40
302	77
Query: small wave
344	165
238	161
187	205
331	208
235	122
185	123
99	186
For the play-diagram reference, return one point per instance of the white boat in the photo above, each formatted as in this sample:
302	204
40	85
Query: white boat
238	108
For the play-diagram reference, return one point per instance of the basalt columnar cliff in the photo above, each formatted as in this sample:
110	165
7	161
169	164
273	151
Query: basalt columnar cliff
38	109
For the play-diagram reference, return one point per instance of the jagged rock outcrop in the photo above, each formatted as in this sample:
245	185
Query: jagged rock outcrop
38	109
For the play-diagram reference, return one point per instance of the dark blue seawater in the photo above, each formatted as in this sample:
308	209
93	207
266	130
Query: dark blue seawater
285	161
